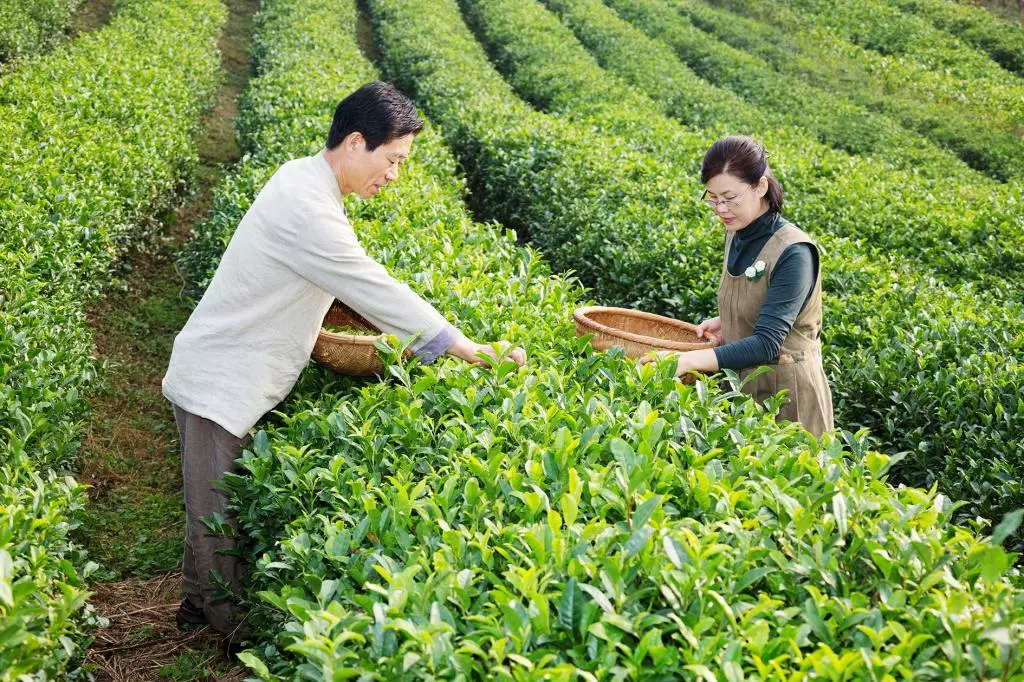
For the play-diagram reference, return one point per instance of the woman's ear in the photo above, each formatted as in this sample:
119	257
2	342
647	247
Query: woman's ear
762	187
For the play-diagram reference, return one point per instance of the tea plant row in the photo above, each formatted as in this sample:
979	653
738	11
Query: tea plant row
939	106
896	340
876	26
584	92
880	26
94	140
858	197
1002	40
31	26
833	119
576	518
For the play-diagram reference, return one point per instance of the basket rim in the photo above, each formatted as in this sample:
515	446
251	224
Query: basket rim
351	339
580	315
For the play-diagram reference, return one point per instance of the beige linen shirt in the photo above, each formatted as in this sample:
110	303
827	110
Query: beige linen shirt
292	254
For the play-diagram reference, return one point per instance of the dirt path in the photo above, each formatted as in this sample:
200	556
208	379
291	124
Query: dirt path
89	16
1011	10
135	518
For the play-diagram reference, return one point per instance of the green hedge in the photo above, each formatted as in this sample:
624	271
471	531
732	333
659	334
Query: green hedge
602	213
861	198
31	26
879	26
979	127
1002	40
94	141
833	120
574	519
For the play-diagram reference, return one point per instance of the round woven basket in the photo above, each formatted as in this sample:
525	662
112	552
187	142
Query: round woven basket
347	353
636	332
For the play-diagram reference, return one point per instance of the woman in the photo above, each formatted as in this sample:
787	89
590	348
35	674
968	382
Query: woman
769	300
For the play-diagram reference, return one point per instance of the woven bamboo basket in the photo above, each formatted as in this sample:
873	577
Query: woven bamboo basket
350	354
635	331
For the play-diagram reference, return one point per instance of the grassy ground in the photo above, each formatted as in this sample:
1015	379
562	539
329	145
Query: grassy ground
135	518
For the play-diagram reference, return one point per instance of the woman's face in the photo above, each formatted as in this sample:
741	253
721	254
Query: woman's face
736	203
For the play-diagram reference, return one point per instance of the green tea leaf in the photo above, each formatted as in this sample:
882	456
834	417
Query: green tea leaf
839	512
623	454
254	664
599	597
1008	526
675	552
751	577
644	511
637	540
570	606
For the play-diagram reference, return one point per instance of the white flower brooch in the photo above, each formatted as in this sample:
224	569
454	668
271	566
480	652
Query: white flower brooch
755	271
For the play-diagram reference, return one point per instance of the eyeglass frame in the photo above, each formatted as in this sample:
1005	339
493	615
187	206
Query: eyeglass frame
728	203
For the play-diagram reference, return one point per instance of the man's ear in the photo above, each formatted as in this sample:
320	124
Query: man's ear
354	142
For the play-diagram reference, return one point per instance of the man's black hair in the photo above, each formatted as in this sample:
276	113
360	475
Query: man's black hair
378	111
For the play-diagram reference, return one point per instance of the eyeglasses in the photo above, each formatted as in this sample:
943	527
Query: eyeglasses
723	204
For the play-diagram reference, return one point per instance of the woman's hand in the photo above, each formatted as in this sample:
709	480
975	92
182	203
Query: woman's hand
655	356
694	360
682	360
469	351
711	330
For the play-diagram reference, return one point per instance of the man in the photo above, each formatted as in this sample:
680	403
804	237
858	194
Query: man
248	339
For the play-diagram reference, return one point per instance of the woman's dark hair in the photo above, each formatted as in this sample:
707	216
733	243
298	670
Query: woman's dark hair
378	111
743	157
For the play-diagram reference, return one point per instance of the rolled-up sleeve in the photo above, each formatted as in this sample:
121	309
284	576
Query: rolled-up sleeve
326	252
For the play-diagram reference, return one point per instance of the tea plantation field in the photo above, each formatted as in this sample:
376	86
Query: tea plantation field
577	518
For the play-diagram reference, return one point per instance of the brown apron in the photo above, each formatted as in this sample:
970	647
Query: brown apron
798	367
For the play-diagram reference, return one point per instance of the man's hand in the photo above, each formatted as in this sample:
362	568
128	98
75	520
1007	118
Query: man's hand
469	350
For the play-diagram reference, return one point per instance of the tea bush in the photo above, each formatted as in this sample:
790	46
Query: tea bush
31	26
82	175
833	120
900	213
886	326
1003	41
879	26
921	98
94	140
574	518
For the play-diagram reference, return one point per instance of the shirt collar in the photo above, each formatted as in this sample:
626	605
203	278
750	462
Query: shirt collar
330	181
762	226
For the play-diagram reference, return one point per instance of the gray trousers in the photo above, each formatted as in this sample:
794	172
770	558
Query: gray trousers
208	451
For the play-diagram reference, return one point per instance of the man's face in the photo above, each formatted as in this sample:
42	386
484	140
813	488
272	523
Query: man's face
371	171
